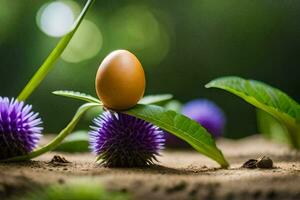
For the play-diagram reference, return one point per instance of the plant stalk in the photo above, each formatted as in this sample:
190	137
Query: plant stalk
48	64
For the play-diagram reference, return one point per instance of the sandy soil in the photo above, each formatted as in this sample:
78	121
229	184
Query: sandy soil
179	175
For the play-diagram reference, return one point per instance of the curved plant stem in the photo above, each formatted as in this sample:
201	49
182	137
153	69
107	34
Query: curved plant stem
56	141
48	64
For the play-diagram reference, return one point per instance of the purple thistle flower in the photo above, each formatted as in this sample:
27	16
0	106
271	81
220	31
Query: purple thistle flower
19	128
121	140
206	113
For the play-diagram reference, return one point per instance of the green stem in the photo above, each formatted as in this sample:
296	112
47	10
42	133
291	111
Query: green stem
56	141
48	64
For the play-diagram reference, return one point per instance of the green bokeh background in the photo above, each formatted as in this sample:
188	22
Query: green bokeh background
181	44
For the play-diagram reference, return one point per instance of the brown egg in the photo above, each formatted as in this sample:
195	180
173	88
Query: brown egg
120	80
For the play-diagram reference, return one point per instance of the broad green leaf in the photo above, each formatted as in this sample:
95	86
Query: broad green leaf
271	128
58	139
75	142
267	98
156	99
77	95
48	64
182	127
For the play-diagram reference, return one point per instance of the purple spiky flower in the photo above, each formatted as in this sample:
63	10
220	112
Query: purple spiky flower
206	113
20	128
121	140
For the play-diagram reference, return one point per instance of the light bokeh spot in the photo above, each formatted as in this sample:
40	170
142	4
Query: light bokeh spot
56	18
85	44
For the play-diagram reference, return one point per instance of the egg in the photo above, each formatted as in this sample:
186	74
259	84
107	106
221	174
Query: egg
120	80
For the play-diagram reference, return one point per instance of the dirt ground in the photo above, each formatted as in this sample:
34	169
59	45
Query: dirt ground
178	175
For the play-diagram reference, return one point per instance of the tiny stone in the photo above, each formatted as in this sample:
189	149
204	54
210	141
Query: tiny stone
59	159
250	164
264	163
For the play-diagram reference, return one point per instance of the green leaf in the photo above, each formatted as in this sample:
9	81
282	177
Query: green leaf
58	139
267	98
77	95
151	99
48	64
75	142
182	127
271	128
156	99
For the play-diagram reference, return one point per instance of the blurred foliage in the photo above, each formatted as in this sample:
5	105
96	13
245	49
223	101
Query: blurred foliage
80	190
181	44
75	142
271	128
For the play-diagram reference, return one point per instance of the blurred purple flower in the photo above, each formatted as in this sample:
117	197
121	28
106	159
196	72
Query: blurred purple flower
206	113
121	140
20	128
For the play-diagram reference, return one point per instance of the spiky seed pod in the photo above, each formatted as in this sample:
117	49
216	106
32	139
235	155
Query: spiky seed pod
121	140
20	128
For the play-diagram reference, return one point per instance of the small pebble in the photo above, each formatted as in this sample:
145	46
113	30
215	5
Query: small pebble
263	162
59	159
250	164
